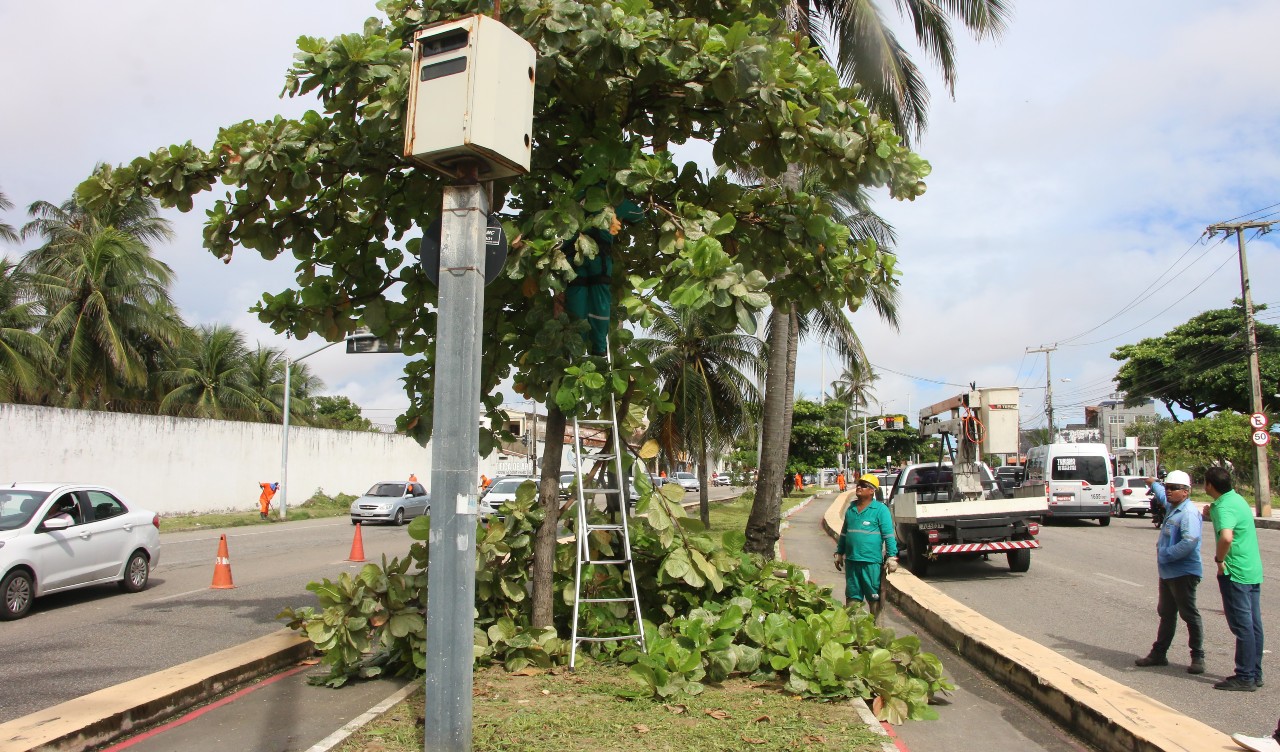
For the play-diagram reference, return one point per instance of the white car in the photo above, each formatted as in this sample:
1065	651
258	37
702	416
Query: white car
1131	495
394	501
56	536
687	481
501	491
723	479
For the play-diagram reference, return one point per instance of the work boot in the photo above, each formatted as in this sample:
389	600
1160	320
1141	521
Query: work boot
1197	665
1152	659
1236	684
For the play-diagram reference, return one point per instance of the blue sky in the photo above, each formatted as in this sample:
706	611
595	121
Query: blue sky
1082	155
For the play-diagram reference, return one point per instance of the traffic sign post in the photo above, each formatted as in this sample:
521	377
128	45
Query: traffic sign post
1258	420
1261	437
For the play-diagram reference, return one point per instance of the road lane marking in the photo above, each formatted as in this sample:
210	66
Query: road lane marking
1117	579
178	595
232	535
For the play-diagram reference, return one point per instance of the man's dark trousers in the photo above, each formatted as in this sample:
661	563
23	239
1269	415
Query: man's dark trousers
1178	598
1242	605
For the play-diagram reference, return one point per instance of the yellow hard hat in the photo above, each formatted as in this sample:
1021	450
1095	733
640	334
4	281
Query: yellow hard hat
870	479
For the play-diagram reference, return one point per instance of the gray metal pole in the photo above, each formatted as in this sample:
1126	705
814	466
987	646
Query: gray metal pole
451	579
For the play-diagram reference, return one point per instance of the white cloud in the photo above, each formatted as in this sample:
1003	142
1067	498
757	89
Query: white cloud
1084	152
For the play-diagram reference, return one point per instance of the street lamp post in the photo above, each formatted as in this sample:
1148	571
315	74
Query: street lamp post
358	337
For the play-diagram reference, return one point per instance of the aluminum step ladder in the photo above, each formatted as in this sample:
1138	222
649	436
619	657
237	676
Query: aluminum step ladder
614	492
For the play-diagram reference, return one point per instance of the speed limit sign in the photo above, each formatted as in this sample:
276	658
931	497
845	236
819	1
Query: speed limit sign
1261	437
1258	420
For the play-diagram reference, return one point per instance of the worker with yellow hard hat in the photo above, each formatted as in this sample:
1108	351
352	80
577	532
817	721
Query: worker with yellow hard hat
866	545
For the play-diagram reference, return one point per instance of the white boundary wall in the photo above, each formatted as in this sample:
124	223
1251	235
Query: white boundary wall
174	465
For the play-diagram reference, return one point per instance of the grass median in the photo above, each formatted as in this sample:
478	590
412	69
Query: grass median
319	505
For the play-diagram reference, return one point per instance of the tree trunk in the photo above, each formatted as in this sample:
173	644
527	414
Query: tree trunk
544	545
762	525
704	501
789	397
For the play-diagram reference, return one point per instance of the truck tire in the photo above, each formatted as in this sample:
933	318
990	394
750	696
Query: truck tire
917	561
1104	521
1019	559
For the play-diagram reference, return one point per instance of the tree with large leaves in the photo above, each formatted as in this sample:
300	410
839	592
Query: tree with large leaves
1200	366
616	84
103	295
706	372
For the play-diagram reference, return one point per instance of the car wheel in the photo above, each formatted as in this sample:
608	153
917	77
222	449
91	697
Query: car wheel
399	516
1120	510
136	573
1019	559
16	591
1104	521
917	560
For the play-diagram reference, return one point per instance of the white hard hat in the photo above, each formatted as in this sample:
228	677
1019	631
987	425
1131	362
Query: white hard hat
1178	478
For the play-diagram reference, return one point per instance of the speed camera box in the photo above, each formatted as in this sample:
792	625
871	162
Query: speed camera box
471	98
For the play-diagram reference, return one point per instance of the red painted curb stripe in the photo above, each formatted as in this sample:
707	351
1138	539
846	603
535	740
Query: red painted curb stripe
897	740
197	713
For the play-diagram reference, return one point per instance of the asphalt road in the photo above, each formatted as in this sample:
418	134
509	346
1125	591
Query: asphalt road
81	641
1091	596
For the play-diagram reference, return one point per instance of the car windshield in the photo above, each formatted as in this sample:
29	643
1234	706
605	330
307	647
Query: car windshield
17	507
1092	470
388	490
506	485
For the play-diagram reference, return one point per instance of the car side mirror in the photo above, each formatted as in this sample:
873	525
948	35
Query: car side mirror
56	523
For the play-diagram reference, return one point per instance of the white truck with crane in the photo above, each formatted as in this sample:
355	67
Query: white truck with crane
957	508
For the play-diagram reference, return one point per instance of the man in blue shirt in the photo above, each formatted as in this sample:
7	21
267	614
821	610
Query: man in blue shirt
1178	561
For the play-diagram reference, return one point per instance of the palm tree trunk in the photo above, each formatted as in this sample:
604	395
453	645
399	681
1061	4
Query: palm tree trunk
793	354
544	544
704	501
762	525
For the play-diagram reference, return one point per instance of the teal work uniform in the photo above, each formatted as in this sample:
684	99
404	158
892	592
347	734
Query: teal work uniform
590	294
866	538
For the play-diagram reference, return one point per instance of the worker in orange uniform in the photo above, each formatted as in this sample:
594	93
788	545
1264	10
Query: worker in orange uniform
264	499
413	478
840	484
484	481
799	482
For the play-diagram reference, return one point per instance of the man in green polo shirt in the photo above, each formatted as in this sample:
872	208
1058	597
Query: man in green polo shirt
1239	577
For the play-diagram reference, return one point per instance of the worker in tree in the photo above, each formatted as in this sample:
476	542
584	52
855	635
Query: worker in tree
590	294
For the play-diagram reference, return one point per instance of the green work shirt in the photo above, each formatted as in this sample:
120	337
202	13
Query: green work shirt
1243	563
866	535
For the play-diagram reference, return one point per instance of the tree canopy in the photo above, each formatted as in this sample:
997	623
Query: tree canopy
617	83
1201	366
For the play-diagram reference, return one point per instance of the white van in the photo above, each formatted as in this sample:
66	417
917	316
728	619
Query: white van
1078	480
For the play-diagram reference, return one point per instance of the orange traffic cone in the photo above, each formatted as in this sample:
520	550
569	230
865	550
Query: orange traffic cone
357	546
222	567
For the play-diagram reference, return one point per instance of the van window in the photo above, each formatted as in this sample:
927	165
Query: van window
1092	470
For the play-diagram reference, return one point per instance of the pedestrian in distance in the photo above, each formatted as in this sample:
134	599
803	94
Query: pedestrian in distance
1239	577
264	498
799	482
840	481
1259	743
867	546
1180	570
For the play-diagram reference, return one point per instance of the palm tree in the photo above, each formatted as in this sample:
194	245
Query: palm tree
208	378
103	295
704	369
264	373
24	356
866	52
6	230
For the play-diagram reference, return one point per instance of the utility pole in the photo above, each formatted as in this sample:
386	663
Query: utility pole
1261	466
1048	386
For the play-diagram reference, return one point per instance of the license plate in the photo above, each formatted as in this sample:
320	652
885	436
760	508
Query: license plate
1063	497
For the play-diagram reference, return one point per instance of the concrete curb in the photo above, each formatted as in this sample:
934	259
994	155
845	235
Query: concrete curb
108	714
1103	712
